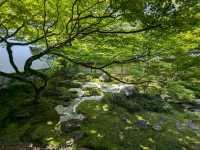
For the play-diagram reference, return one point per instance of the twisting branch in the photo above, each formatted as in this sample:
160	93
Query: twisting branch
127	32
44	24
16	31
11	59
2	3
33	41
97	68
22	78
125	82
79	24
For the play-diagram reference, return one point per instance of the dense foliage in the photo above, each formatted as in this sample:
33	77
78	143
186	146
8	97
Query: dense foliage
153	44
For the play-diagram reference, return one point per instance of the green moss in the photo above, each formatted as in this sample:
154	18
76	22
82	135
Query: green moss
92	91
109	125
12	133
115	129
137	103
47	134
20	118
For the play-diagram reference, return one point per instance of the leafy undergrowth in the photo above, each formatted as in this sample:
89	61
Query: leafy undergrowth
109	128
109	125
21	122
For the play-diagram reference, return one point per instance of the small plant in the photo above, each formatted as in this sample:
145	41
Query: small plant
91	91
137	103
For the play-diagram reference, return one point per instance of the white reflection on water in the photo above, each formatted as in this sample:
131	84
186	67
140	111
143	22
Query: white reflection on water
20	55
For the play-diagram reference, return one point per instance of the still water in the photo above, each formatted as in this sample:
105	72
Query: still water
20	55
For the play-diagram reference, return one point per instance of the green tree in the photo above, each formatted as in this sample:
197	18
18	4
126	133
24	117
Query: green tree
60	26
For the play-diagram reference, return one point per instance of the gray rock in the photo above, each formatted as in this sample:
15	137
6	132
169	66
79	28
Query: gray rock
142	123
4	82
162	120
192	125
105	78
197	101
70	125
91	85
77	136
80	75
157	127
79	91
20	115
179	125
64	82
83	148
60	109
128	90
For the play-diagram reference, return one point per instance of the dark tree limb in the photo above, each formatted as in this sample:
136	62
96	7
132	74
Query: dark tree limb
97	68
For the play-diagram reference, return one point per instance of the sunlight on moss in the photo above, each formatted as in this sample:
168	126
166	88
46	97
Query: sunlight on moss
129	121
121	135
139	117
105	107
151	140
69	142
180	139
98	107
49	123
128	128
94	117
100	135
93	131
52	144
144	147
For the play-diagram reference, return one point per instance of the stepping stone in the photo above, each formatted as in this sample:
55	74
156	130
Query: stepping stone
142	123
70	125
179	125
192	125
157	127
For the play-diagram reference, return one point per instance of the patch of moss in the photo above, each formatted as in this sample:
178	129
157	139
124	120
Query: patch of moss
116	129
47	134
12	133
18	116
92	91
137	103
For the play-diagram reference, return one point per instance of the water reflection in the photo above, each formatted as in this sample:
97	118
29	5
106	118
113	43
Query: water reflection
20	55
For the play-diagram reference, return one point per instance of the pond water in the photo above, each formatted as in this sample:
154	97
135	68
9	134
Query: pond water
20	55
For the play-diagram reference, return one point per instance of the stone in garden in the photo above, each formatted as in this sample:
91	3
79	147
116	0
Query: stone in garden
77	136
70	125
105	78
197	101
79	91
70	142
20	115
180	125
83	148
162	119
157	127
4	82
64	82
80	75
142	123
91	85
126	89
60	109
192	125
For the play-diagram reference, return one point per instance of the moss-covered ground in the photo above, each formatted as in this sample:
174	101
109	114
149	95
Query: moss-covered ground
109	125
115	128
